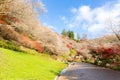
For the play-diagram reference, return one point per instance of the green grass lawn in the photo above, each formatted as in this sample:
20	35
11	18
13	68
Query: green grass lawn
20	66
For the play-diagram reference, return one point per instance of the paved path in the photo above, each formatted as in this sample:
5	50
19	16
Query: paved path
85	71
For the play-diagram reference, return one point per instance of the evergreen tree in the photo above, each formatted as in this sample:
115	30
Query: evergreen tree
70	34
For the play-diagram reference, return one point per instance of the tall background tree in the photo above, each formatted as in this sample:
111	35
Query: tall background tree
69	34
114	26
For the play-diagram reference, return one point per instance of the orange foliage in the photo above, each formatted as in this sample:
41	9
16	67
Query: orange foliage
25	40
68	46
38	47
2	22
11	34
31	43
11	18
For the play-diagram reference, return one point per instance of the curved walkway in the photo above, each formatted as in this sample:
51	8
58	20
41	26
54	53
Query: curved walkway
85	71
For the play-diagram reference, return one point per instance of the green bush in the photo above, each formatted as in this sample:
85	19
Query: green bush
72	52
47	51
9	45
29	51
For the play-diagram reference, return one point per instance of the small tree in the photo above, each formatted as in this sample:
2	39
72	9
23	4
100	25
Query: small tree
69	34
113	26
64	32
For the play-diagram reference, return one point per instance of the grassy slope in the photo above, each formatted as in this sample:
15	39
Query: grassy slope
21	66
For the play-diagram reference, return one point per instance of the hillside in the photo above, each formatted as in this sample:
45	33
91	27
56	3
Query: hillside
21	25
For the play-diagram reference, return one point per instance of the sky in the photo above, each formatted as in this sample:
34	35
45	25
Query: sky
81	16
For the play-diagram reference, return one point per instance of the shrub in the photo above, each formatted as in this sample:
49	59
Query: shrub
26	41
28	51
47	51
9	45
72	52
37	46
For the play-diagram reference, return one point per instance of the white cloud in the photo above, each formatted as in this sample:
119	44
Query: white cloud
73	10
63	18
94	19
49	26
84	12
